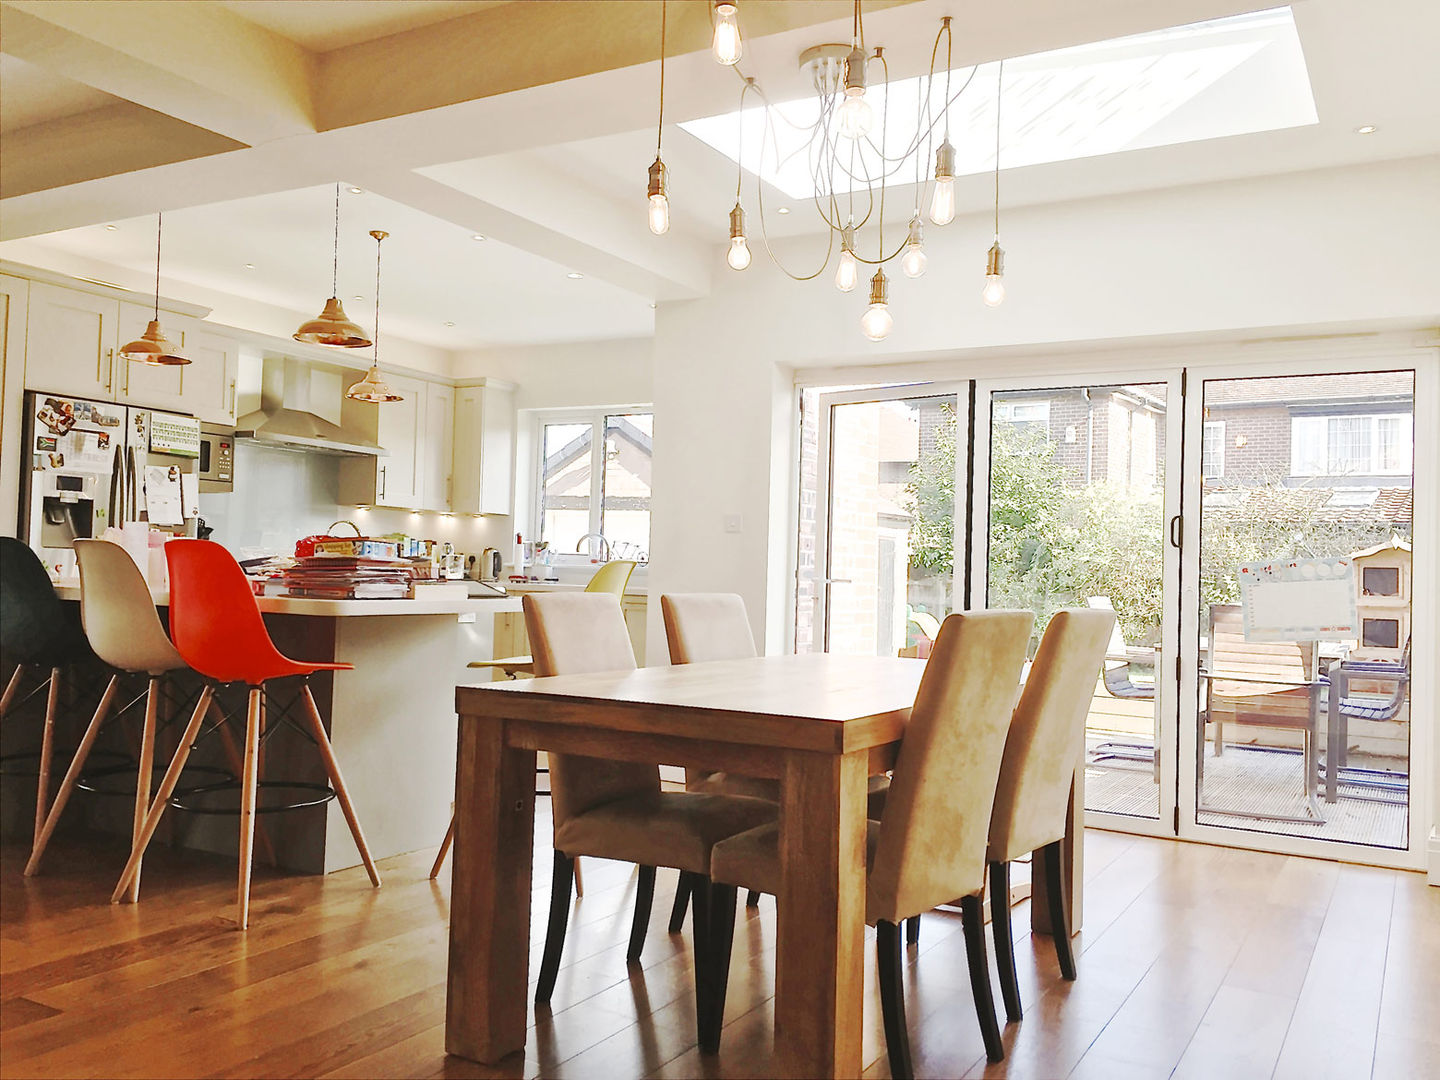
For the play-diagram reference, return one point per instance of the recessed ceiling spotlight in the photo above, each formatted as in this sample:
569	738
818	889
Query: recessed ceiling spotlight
1366	129
783	210
573	276
477	236
111	228
652	307
356	191
357	296
447	324
249	266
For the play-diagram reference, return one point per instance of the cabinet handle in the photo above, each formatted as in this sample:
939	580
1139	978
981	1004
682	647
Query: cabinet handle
383	470
126	391
232	398
109	368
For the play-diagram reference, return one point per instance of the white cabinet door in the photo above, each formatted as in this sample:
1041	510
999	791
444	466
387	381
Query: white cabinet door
484	455
437	447
208	381
146	385
70	343
398	482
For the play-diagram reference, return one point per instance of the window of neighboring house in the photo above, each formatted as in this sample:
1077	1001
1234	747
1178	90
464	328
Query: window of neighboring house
1022	411
1351	445
1212	450
594	480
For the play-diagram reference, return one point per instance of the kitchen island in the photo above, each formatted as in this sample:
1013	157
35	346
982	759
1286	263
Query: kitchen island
391	721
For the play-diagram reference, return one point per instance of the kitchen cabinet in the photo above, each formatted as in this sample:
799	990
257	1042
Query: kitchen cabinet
208	381
150	386
484	447
14	303
70	342
396	479
438	448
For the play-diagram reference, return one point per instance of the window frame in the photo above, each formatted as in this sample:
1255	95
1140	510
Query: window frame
1219	473
596	418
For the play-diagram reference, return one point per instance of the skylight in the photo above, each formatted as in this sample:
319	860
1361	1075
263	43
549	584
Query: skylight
1207	80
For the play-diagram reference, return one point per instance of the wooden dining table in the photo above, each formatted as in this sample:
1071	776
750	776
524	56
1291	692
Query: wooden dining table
821	724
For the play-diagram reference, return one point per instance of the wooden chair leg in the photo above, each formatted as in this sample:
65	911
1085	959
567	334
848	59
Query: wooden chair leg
717	965
972	915
640	923
579	878
444	849
144	775
1004	940
72	774
163	793
1059	908
237	766
342	796
682	901
12	688
47	753
912	930
702	948
561	879
248	789
752	898
889	968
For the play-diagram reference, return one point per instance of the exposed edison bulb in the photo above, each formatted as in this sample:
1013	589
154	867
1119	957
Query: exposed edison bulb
994	294
877	321
726	44
856	116
739	254
659	214
914	260
847	274
942	200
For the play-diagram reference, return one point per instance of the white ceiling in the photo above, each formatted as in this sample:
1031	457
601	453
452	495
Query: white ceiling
32	95
337	24
554	175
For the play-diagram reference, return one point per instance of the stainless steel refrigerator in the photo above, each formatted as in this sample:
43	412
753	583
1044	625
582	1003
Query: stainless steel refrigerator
89	466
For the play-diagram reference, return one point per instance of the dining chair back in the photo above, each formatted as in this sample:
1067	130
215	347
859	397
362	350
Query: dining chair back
1032	798
119	613
613	577
706	626
576	634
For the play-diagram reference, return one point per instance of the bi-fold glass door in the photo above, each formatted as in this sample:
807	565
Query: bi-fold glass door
1254	530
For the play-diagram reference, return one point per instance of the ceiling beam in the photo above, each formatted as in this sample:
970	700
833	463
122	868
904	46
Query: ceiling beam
199	63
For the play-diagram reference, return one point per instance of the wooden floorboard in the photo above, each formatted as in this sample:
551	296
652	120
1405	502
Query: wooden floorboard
1195	961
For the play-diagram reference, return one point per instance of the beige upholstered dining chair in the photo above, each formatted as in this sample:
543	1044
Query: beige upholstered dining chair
1047	737
615	809
929	848
700	627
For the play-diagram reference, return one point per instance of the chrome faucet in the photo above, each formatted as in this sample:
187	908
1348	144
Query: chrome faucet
604	545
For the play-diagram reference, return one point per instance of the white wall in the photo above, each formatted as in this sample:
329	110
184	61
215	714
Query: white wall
615	372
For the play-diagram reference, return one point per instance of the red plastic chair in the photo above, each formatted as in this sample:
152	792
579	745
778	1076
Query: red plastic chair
216	626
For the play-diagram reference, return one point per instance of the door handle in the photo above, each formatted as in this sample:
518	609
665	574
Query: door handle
837	581
1177	530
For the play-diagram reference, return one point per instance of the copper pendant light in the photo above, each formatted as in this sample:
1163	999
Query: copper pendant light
372	387
153	347
332	326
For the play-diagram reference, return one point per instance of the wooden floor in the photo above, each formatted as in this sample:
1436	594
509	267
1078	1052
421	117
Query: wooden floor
1196	962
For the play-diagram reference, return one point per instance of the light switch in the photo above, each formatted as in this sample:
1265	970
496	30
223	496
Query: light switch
734	523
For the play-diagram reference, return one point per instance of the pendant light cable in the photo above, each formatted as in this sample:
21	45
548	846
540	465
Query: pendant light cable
376	361
999	79
159	225
335	251
660	127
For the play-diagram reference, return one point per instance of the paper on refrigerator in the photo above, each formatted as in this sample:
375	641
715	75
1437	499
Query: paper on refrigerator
163	498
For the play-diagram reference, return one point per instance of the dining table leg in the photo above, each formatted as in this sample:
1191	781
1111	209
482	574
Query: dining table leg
820	943
486	1001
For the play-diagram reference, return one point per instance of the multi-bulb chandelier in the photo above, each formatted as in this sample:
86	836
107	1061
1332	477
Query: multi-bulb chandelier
850	160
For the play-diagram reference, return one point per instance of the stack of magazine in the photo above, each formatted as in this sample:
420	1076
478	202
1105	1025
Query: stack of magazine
348	577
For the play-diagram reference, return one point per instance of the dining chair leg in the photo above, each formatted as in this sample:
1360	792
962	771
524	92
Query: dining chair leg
72	775
444	849
1004	940
682	901
703	949
342	795
579	879
889	968
561	880
1059	909
248	790
47	753
640	923
163	793
972	920
144	775
722	940
912	930
12	688
752	899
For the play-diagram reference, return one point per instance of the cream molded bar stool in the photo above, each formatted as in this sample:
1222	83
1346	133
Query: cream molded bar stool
125	632
1047	737
700	627
615	809
929	848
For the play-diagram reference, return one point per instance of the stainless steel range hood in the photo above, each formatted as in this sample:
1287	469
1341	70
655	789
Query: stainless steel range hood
286	419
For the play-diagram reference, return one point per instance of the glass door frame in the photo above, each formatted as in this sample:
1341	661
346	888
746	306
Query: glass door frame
1426	483
956	388
1166	823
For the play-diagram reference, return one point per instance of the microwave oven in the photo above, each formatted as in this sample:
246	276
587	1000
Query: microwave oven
217	458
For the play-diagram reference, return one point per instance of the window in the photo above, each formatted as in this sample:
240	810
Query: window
1023	411
595	481
1212	450
1351	445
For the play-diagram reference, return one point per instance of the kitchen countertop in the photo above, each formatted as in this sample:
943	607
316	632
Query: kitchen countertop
296	605
564	586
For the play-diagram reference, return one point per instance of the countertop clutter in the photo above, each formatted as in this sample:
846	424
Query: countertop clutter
297	605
